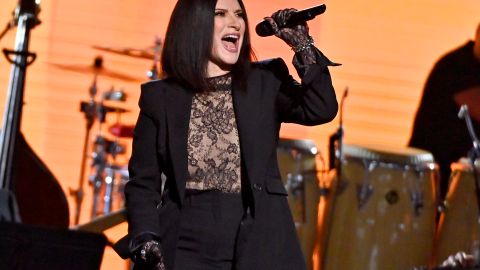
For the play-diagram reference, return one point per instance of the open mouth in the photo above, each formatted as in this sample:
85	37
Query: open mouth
230	42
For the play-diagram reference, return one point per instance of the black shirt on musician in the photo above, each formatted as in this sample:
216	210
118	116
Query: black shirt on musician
437	127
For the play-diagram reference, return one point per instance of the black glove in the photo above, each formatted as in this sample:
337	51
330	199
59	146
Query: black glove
149	255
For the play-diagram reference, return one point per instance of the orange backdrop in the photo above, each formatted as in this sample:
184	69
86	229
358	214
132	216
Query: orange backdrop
387	49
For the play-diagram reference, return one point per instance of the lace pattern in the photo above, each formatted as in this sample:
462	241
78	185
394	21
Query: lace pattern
213	144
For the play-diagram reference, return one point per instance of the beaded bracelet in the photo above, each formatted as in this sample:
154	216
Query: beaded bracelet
303	47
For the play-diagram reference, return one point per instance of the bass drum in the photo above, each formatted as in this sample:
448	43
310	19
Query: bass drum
458	227
382	211
299	174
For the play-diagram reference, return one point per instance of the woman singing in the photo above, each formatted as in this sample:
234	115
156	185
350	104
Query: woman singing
205	189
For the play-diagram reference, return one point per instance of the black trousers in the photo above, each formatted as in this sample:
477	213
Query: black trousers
208	233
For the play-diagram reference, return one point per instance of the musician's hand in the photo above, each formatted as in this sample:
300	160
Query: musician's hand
460	259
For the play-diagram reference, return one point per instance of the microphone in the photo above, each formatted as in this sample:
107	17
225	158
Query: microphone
264	29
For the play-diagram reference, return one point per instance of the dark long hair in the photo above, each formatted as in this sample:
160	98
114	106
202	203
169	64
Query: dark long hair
188	44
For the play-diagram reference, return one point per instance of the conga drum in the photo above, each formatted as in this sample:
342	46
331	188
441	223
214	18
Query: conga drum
299	174
382	214
459	227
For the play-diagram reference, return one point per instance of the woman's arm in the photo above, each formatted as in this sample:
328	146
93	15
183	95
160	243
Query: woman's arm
143	190
313	101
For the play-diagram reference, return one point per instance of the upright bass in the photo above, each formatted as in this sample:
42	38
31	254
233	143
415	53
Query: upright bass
29	192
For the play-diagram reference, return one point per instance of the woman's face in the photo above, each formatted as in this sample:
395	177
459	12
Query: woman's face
228	32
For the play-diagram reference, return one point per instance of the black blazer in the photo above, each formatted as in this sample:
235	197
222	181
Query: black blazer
271	97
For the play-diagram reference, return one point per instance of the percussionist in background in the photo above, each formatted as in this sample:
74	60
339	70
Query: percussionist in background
454	81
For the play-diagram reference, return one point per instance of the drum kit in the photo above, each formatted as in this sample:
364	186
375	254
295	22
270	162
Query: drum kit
106	175
374	208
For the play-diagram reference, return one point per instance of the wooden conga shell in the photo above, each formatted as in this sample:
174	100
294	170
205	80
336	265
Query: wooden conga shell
383	209
458	227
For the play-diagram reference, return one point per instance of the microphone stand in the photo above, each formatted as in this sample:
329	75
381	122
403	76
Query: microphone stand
335	159
474	153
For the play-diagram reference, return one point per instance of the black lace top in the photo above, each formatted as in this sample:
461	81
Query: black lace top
213	144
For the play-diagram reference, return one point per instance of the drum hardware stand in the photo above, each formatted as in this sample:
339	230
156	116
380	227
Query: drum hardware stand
474	153
335	159
104	156
105	170
111	172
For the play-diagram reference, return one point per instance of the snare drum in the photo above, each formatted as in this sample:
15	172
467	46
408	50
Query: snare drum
458	227
382	214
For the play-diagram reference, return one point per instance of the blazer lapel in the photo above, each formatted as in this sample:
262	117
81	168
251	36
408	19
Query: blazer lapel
179	104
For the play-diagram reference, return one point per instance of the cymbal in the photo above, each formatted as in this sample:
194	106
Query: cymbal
132	52
91	69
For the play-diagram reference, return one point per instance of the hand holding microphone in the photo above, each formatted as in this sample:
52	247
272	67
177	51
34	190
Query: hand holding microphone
264	28
290	26
294	36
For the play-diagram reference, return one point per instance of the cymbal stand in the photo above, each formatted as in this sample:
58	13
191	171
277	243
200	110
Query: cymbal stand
89	109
